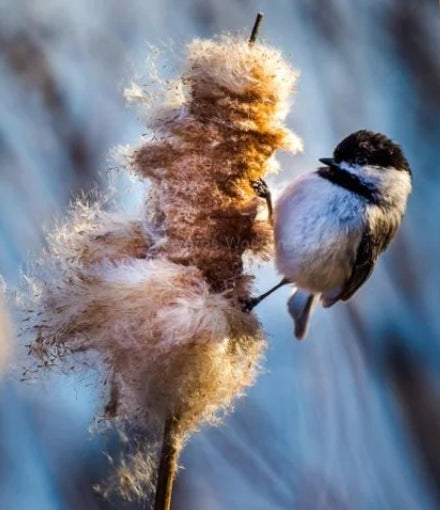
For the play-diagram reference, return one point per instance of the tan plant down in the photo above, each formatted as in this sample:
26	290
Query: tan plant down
159	297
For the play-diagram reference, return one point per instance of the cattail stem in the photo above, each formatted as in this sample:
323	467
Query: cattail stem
256	28
168	466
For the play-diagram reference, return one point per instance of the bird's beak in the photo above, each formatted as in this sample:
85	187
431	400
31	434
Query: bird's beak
328	161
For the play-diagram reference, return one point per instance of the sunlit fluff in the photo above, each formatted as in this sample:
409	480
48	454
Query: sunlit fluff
159	297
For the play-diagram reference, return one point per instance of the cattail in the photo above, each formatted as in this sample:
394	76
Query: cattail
159	298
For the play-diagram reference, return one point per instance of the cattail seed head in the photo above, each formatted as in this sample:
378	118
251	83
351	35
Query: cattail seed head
158	297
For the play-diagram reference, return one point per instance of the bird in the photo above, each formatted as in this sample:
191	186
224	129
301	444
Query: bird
331	224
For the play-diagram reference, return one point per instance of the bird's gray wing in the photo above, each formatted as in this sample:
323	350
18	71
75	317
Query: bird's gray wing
372	244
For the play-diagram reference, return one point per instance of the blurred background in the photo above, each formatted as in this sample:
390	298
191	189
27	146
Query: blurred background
348	419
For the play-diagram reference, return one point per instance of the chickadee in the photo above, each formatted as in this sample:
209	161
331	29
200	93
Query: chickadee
330	225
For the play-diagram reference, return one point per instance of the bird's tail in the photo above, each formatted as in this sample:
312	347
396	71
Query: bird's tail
300	305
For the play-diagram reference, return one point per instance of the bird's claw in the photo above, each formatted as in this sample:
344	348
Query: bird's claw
260	187
249	304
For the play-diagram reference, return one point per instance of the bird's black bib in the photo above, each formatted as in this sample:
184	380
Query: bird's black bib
350	182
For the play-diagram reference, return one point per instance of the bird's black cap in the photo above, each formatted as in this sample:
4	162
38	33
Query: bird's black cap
369	148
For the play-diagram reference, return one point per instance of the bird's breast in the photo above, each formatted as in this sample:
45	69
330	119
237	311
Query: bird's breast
317	228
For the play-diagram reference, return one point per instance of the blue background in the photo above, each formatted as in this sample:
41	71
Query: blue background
348	419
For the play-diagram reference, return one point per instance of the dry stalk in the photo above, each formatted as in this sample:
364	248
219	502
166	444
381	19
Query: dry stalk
169	459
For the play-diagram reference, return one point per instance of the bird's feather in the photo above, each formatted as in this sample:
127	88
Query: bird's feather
300	306
373	242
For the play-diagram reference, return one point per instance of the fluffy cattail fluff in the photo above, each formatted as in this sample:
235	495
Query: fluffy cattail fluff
5	336
158	298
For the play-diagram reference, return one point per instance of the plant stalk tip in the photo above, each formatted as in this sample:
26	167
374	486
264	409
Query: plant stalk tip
256	28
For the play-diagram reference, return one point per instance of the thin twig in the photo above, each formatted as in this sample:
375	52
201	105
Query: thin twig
256	28
167	468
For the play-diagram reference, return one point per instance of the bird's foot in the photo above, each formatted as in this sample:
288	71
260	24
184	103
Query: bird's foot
261	188
249	304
